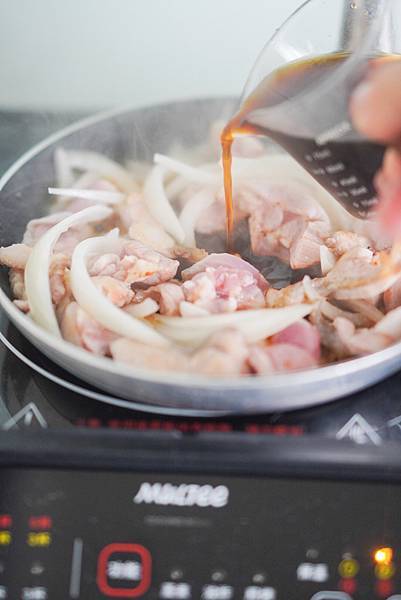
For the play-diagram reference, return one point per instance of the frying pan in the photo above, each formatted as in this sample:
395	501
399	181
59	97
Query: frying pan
138	134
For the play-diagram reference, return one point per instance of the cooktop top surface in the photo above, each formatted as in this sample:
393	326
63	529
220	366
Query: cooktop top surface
35	393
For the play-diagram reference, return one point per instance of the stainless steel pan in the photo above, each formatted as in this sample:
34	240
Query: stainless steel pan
138	134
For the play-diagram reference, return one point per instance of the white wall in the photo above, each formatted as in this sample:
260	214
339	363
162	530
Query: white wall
96	53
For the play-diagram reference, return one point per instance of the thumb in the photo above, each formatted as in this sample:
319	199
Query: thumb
376	104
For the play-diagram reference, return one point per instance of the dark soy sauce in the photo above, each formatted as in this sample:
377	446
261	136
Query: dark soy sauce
344	168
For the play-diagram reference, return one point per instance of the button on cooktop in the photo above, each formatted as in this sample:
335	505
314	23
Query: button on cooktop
124	571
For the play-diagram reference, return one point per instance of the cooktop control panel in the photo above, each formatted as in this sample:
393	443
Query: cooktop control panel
76	534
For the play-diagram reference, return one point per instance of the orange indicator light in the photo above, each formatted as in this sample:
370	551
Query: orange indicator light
384	556
384	571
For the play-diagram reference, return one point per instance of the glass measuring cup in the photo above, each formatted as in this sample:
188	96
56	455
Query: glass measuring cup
299	91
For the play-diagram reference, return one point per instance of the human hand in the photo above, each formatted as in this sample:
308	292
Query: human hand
376	112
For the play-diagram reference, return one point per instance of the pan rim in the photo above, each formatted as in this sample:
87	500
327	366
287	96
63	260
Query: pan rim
314	376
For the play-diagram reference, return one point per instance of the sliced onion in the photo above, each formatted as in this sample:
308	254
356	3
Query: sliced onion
365	308
390	324
84	181
37	268
332	313
96	304
113	233
100	196
327	259
192	211
180	182
193	174
143	309
256	325
159	206
62	167
103	166
310	292
187	309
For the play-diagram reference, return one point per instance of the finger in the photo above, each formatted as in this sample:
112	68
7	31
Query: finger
390	213
388	187
392	165
376	104
388	179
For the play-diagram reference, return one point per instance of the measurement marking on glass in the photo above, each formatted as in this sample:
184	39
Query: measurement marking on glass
76	568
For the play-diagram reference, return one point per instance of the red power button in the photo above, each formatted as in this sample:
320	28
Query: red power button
124	562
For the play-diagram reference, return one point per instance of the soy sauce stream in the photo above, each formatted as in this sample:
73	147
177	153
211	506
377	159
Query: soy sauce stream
345	168
226	143
230	132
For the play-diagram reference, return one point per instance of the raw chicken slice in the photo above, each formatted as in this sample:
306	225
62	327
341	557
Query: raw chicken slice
118	292
285	221
67	241
301	334
136	264
17	283
58	276
143	264
168	296
265	359
224	283
342	242
307	290
106	264
358	275
22	305
37	227
364	341
190	255
15	256
224	354
142	356
81	330
228	261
